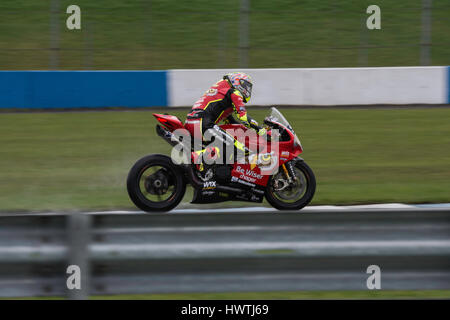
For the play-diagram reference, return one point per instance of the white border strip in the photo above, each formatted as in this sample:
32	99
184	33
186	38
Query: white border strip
321	86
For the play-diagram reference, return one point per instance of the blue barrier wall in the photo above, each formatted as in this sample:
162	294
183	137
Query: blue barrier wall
75	89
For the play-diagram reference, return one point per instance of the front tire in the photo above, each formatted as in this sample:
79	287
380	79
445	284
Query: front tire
155	184
305	180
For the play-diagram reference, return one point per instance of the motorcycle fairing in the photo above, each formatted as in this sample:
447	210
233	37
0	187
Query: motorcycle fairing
214	196
170	122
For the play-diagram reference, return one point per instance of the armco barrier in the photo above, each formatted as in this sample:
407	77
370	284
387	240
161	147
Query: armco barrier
327	86
76	89
133	253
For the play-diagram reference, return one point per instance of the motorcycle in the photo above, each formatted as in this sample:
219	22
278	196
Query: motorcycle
158	182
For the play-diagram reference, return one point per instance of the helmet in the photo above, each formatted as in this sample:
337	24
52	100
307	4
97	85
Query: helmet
241	82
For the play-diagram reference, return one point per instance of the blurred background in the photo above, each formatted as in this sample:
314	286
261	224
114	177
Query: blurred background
167	34
68	160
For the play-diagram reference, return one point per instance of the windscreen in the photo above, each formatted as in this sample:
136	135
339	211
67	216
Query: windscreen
278	117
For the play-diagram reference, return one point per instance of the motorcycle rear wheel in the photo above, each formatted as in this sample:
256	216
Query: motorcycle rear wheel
304	187
155	184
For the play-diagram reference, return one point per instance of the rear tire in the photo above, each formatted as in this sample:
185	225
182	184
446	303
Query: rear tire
304	200
169	172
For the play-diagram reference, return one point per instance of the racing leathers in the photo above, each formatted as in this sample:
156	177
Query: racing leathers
219	103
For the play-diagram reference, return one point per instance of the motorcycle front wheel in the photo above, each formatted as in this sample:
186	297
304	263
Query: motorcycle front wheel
155	183
295	196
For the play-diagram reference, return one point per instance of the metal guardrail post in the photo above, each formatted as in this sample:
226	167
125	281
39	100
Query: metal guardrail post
54	35
244	33
363	52
222	44
425	39
79	237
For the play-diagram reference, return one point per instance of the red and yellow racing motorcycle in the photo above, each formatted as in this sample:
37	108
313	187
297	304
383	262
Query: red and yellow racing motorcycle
273	170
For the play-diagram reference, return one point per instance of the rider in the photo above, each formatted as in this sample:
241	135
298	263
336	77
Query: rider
224	98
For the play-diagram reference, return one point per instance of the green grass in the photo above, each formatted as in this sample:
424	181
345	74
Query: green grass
80	160
164	34
296	295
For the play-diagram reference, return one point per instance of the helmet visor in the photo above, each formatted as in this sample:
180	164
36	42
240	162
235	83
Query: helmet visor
245	88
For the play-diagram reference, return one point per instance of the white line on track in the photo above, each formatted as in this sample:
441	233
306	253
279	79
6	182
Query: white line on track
382	206
325	208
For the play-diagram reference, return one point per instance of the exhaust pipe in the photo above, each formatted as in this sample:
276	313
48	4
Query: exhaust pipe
168	136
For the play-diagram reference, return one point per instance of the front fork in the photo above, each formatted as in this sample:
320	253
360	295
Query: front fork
289	172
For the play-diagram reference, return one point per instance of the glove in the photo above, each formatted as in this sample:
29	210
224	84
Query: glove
262	131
